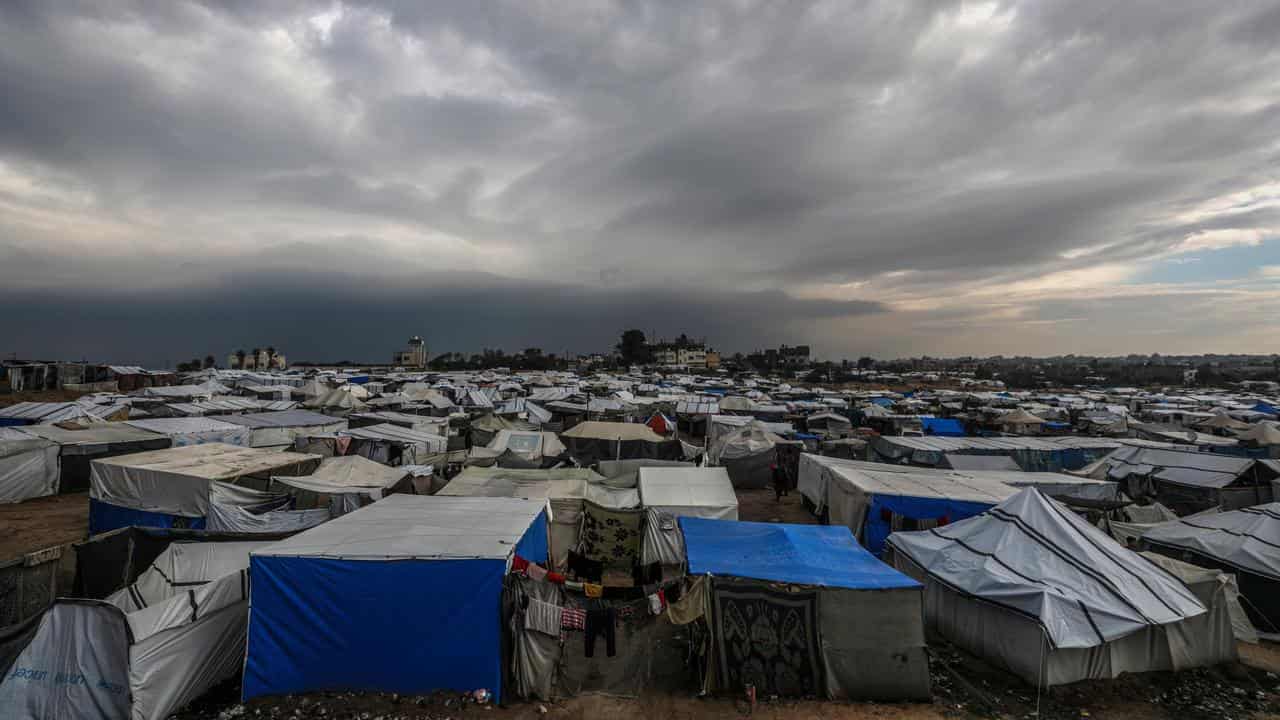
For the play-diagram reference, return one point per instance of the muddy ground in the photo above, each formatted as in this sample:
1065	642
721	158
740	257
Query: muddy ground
43	523
963	687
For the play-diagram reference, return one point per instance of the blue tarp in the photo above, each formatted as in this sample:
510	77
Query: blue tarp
1057	425
105	516
882	402
877	526
946	427
533	546
408	626
824	555
1266	408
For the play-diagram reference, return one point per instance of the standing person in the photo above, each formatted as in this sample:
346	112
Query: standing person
779	481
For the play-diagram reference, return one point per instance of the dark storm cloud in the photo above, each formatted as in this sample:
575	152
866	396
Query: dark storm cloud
730	158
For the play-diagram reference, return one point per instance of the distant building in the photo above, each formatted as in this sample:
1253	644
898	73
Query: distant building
257	359
415	355
682	353
712	359
781	357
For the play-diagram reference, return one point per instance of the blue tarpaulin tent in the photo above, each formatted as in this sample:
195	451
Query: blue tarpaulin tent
847	626
403	595
946	427
882	402
1267	408
824	555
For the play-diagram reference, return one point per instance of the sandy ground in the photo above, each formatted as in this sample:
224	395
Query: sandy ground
42	523
763	506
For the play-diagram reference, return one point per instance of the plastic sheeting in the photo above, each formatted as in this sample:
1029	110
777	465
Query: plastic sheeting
819	555
28	466
196	430
349	474
278	429
1035	558
689	492
1247	539
176	481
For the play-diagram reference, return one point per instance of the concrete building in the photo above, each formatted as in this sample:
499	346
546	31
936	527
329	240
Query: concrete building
415	355
258	359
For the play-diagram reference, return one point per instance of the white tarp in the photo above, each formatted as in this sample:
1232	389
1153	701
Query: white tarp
28	466
146	651
176	481
276	429
689	492
1247	539
347	474
1041	560
527	445
416	527
196	430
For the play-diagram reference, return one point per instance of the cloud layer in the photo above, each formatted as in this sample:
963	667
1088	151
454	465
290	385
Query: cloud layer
874	178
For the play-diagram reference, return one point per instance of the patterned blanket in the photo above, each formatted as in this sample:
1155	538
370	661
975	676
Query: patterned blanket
611	536
768	639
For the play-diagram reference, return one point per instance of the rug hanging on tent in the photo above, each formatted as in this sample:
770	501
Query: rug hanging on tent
610	536
768	639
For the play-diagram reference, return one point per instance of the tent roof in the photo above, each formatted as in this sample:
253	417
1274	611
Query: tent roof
1038	559
210	461
595	429
349	473
1263	433
958	461
97	434
184	425
821	555
1189	467
1020	417
395	433
283	418
557	483
417	527
1247	539
686	487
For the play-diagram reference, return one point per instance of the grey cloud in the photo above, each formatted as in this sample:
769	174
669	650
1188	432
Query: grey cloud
722	154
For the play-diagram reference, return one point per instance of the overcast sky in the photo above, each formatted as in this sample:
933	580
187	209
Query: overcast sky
884	178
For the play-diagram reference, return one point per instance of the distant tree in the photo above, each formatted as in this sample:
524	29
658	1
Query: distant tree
255	352
633	347
271	352
866	363
240	354
208	361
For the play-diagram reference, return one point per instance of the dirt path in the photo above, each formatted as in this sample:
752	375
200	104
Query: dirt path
42	523
763	506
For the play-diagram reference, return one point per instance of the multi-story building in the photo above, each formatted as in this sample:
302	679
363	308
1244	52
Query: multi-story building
257	359
415	355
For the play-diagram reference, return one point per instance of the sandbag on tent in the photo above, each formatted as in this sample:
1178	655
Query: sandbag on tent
145	651
1034	588
529	449
802	610
1246	542
592	441
403	595
28	466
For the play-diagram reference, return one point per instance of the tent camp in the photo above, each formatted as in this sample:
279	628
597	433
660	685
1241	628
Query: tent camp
828	425
1245	542
343	484
173	487
144	651
28	466
592	441
1020	422
1033	454
422	423
782	600
195	430
1032	587
339	401
530	449
278	429
429	573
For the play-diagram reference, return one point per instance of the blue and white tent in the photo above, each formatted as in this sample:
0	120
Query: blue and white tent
403	595
842	624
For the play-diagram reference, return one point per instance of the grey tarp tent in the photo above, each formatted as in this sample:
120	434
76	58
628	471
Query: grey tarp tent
1032	587
143	652
28	466
669	493
592	441
1246	542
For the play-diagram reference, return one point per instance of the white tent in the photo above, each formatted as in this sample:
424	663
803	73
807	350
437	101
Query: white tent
278	429
145	651
669	493
28	466
525	447
1033	587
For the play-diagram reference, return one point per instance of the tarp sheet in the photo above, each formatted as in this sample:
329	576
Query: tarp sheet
1038	559
28	466
804	554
